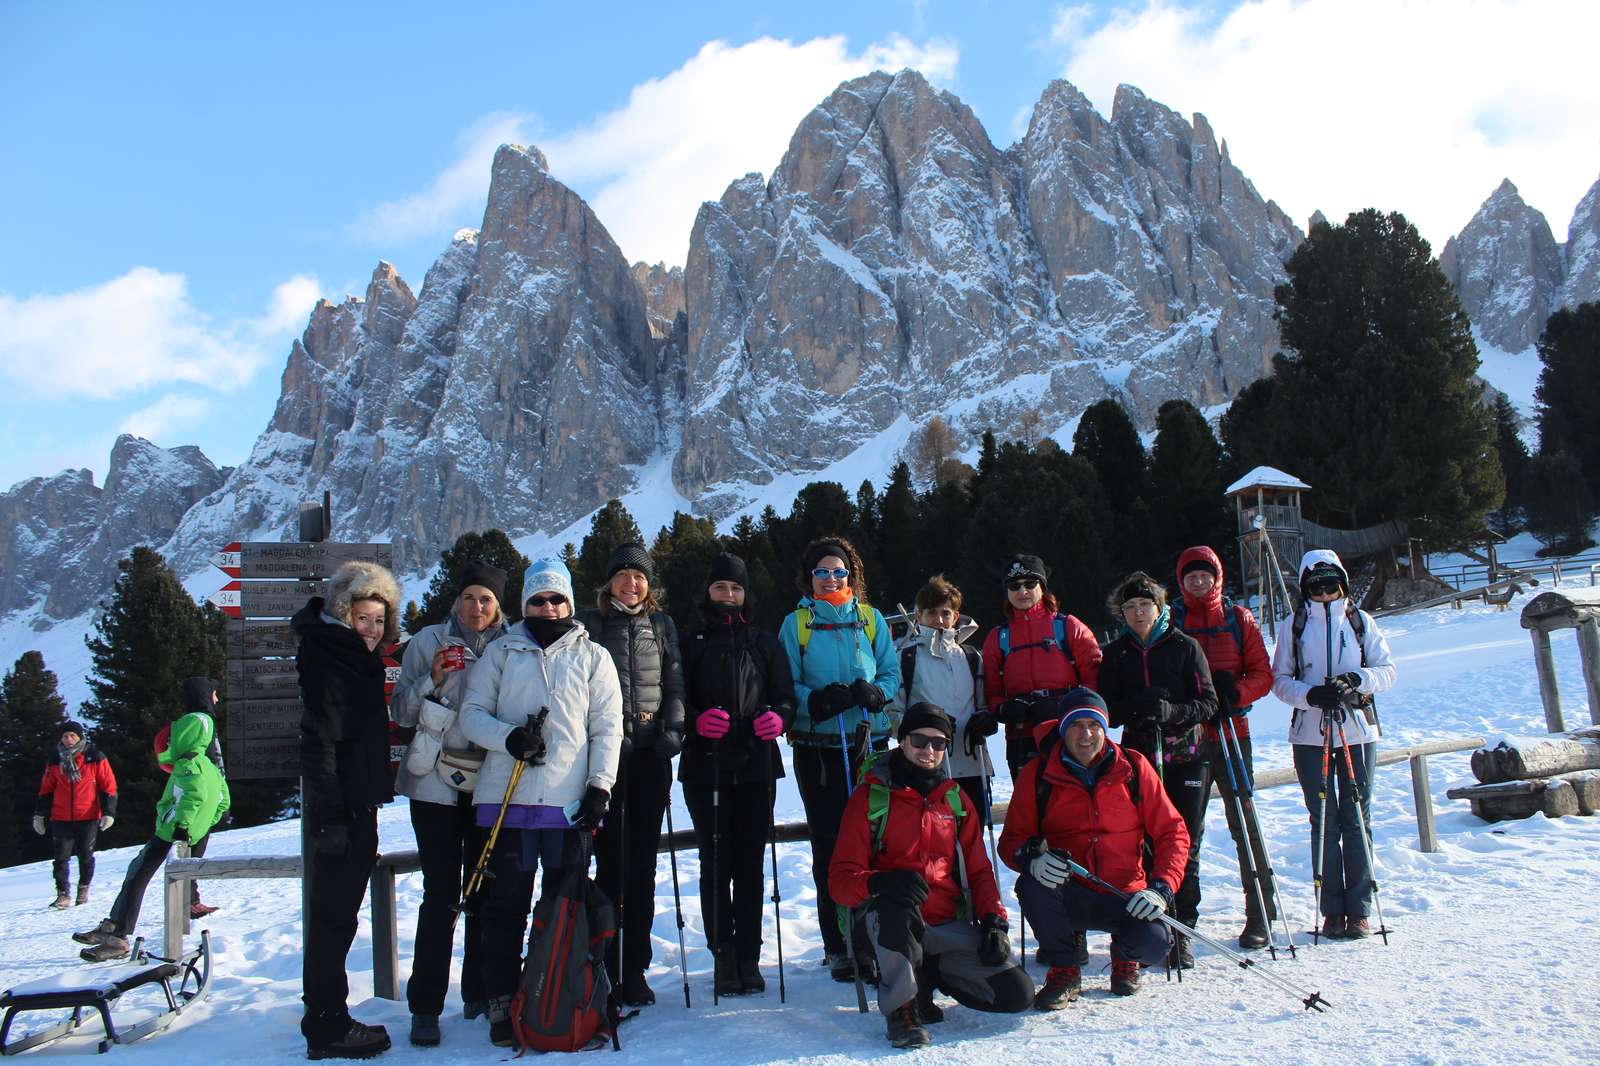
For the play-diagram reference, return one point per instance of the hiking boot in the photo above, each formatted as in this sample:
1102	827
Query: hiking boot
63	901
1357	928
501	1033
474	1008
1124	977
634	991
82	897
425	1030
356	1042
98	934
1333	927
1062	985
1181	957
1255	934
200	910
840	967
112	947
725	973
904	1029
750	979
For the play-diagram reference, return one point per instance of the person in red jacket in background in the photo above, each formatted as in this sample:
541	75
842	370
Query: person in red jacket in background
910	850
196	694
1241	672
78	795
1093	801
1030	659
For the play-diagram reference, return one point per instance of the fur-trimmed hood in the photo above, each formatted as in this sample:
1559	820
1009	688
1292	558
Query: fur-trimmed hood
366	581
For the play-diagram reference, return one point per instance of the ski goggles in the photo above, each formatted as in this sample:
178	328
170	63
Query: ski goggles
822	573
919	740
1323	585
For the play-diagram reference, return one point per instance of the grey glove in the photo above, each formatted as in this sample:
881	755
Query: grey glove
1146	905
38	824
1051	867
106	822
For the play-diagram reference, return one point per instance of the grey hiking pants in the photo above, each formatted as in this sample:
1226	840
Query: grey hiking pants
949	954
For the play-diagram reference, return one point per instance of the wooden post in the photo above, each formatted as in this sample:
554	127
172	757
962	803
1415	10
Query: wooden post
174	913
1422	795
1589	652
1549	694
385	936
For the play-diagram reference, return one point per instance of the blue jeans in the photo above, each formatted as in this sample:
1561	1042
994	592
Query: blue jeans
508	897
1347	884
1056	914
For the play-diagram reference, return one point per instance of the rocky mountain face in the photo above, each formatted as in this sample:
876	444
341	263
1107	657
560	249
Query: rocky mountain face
61	537
898	265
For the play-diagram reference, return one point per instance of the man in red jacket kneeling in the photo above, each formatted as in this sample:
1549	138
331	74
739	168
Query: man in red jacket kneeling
911	852
1093	801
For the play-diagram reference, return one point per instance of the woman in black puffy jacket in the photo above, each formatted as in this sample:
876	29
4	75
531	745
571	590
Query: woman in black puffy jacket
741	699
643	642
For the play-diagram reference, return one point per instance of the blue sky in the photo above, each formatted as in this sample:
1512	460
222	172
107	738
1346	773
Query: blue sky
181	182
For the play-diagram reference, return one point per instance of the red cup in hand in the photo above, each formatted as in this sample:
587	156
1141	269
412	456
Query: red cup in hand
455	657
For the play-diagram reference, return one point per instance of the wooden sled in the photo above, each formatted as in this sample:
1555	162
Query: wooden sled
99	989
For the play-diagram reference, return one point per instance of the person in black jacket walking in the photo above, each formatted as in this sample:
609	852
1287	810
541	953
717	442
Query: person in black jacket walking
740	699
1158	687
344	762
643	643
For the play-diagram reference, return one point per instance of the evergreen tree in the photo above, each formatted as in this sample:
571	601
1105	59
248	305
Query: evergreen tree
492	547
1569	388
943	518
31	716
863	532
820	509
683	552
767	598
1380	402
1508	518
612	526
1254	432
1107	440
903	564
1561	508
1186	483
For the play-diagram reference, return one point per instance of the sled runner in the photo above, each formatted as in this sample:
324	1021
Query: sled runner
98	989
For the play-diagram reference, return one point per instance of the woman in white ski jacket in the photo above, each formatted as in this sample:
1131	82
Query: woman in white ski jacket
1327	666
545	695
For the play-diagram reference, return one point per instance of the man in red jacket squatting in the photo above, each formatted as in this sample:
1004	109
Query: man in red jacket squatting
1099	803
911	851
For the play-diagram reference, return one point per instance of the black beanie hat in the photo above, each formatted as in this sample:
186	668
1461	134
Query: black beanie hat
926	716
1198	563
729	567
822	550
1025	566
73	727
490	577
631	557
195	694
1141	586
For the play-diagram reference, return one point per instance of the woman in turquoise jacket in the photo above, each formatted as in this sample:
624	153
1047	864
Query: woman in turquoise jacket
845	673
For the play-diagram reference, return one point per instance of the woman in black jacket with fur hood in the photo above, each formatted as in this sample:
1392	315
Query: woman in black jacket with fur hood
740	700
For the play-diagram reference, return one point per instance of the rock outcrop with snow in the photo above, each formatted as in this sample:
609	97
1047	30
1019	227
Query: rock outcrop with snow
1507	270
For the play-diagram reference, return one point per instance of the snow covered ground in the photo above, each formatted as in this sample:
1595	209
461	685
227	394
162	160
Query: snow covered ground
1491	960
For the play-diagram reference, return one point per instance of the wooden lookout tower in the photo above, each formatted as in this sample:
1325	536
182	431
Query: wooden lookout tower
1271	530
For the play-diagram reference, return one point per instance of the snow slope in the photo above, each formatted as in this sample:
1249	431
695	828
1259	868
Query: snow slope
1492	957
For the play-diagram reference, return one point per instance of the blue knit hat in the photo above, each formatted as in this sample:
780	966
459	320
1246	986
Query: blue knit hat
546	575
1081	703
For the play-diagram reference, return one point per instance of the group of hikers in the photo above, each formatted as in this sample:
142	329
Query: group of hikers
553	733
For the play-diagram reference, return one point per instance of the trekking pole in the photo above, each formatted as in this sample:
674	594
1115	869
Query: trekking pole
1249	849
1366	834
849	914
714	934
677	904
1248	794
1317	851
1312	1001
772	832
621	796
481	869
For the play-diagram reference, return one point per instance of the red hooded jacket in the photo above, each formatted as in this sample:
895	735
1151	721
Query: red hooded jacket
94	793
1102	830
919	834
1036	663
1204	621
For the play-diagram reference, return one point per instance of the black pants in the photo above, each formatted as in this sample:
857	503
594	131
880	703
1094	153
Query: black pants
130	899
1057	914
507	899
338	884
625	849
738	841
1248	830
449	843
74	838
824	790
1187	785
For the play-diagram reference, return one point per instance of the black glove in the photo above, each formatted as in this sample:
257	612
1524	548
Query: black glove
1227	692
525	745
1152	707
1327	697
180	834
829	701
592	807
982	724
1348	686
866	695
901	888
1016	711
333	840
995	947
668	744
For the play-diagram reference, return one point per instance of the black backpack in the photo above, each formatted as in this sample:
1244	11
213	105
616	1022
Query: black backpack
908	667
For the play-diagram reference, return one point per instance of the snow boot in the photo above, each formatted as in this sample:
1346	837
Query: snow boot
904	1029
1062	985
425	1030
928	1012
1181	957
83	896
1124	977
344	1038
840	968
1357	928
200	910
635	992
474	1008
500	1032
1333	927
750	979
725	971
63	901
1255	934
98	934
112	947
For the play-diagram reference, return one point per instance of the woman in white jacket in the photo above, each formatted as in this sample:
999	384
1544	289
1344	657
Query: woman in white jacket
546	695
1328	666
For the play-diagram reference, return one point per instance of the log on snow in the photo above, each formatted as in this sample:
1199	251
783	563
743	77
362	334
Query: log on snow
1537	757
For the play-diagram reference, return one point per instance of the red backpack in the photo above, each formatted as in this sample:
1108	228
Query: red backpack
565	1002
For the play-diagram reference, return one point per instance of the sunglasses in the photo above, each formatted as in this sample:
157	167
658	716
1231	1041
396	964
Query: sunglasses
546	601
1018	584
919	740
822	573
1328	584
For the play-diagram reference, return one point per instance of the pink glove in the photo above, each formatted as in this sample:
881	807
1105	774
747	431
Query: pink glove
712	723
768	725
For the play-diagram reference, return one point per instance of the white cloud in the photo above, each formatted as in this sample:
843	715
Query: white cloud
174	411
135	332
454	197
1337	105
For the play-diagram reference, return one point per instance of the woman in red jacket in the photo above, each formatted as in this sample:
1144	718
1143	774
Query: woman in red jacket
1030	659
79	797
910	851
1096	802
